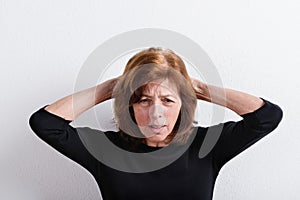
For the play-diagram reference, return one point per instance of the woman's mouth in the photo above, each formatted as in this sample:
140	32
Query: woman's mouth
157	128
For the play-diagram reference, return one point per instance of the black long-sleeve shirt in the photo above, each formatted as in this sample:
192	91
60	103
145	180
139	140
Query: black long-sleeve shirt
188	177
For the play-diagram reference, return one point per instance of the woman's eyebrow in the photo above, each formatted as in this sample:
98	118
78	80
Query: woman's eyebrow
160	96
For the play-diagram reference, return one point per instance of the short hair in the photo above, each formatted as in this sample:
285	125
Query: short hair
153	64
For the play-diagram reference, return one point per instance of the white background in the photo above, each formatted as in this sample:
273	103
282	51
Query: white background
255	46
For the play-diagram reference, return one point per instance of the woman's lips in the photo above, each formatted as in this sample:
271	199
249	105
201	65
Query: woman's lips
157	128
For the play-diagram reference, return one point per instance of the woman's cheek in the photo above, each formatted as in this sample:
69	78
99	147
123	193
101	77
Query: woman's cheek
141	116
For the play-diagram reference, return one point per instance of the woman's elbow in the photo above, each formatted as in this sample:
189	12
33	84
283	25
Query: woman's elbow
275	118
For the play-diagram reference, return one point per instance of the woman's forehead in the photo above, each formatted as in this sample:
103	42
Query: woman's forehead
162	88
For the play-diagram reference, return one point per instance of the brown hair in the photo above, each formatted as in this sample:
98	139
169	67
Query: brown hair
153	64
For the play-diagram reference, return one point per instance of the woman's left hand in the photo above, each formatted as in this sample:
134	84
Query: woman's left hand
201	89
237	101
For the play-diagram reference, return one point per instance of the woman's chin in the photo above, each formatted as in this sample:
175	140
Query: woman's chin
155	139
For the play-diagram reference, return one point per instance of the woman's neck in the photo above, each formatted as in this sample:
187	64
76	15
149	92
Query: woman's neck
157	144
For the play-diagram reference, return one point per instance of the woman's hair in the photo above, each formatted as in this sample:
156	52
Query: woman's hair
153	65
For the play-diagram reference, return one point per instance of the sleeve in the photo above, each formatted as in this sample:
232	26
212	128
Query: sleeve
238	136
57	133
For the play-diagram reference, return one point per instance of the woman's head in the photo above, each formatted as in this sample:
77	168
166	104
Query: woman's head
158	56
154	99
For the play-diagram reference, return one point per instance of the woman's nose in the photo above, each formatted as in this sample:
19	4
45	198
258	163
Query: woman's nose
156	111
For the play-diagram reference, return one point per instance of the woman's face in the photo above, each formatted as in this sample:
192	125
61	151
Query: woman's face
157	112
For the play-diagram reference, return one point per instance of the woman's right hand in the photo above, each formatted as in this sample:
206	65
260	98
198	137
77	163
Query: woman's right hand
104	91
73	105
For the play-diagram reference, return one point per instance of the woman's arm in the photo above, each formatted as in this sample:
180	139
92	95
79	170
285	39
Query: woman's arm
260	117
239	102
51	123
84	100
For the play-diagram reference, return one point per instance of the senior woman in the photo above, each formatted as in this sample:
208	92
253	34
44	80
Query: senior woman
155	101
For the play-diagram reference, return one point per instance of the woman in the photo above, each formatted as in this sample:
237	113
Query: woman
155	100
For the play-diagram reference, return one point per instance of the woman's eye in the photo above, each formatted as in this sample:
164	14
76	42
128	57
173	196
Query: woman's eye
166	100
144	101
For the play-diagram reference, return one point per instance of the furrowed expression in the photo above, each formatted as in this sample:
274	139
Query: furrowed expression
157	111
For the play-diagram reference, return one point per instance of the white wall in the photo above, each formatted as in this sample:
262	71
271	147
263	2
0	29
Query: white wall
254	44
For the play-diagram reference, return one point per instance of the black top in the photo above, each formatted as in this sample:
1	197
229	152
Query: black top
188	177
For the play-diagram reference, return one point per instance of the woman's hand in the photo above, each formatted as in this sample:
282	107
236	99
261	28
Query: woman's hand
201	90
239	102
104	91
73	105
